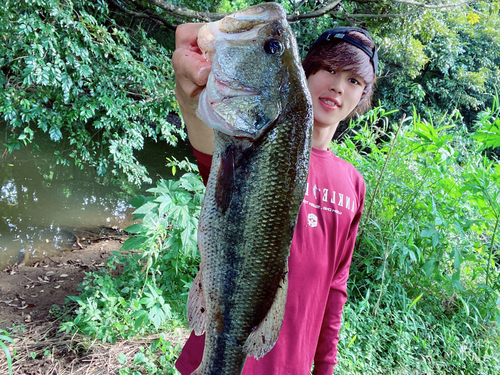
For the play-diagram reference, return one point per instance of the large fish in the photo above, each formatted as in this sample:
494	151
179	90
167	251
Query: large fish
257	101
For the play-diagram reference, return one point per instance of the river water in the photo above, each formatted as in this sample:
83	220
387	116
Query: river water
44	207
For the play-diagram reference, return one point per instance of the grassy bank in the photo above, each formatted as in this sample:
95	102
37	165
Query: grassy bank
424	289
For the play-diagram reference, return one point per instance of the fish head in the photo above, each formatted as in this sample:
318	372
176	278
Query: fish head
250	51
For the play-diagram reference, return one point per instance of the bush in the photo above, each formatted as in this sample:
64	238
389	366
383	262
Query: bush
95	87
428	234
424	286
144	287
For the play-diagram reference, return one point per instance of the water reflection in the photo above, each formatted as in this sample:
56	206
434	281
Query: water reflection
9	192
45	207
41	217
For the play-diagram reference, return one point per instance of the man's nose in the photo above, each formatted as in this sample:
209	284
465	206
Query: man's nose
337	84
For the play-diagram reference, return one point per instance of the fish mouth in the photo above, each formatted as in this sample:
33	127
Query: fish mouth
235	109
229	88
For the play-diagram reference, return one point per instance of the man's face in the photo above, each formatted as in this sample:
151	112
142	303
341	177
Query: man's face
335	93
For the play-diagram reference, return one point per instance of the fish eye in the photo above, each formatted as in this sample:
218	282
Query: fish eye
273	46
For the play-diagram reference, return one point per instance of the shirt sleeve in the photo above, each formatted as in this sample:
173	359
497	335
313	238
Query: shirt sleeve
325	357
204	162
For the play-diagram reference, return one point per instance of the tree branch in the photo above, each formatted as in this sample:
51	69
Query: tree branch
434	6
315	13
420	6
154	17
179	12
388	15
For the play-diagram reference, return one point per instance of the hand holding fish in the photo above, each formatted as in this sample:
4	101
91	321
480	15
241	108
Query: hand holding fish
191	75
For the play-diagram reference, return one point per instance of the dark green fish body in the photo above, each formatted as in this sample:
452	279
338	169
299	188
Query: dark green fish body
263	111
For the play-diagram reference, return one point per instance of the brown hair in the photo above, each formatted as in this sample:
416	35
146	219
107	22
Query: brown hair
338	55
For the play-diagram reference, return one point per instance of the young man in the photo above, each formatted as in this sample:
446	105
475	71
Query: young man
341	70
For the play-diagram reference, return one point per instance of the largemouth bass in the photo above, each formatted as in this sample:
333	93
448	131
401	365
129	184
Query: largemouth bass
257	101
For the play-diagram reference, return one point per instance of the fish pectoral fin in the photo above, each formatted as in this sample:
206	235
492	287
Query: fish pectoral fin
263	338
197	371
196	310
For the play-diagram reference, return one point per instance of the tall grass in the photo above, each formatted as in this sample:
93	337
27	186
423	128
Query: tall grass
425	280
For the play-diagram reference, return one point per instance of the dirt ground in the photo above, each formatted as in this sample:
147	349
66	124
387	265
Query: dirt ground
28	293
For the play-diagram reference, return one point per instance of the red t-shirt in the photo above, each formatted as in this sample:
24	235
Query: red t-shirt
319	262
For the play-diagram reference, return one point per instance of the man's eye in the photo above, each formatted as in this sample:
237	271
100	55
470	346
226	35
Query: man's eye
355	81
330	70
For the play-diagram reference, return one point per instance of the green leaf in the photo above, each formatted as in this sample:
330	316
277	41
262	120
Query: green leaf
140	316
430	266
7	354
457	260
135	228
415	300
429	232
187	236
146	208
134	243
139	358
55	133
122	358
166	203
352	340
140	200
435	238
157	315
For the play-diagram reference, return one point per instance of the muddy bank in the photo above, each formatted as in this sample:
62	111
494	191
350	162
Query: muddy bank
29	290
28	293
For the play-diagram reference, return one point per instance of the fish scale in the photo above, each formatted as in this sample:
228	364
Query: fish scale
255	188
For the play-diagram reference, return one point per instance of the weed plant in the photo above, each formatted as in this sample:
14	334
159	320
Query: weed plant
425	281
4	337
143	288
424	289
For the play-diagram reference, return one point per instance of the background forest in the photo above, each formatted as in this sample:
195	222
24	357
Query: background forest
95	78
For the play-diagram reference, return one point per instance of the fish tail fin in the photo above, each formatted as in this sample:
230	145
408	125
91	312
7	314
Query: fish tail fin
196	310
263	338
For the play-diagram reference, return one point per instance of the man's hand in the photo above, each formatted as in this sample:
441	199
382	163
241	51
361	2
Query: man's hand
191	74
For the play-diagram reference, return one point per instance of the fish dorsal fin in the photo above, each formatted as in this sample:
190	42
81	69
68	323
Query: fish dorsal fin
196	310
263	338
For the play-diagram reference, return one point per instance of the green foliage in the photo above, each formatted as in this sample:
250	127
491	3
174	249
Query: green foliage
440	60
175	207
488	126
425	282
425	279
4	337
400	340
148	361
143	288
183	164
96	88
91	77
